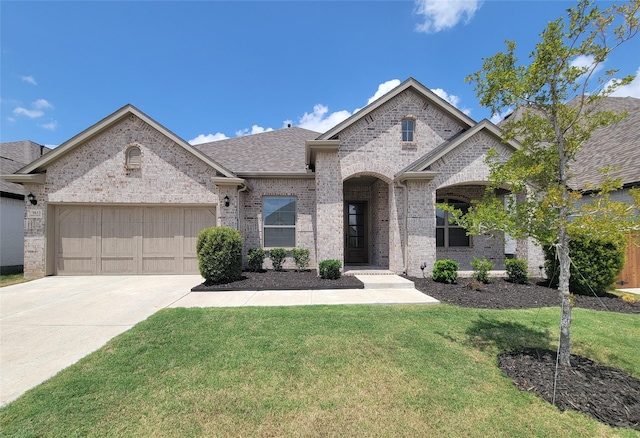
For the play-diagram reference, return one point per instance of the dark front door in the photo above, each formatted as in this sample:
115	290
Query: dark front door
356	247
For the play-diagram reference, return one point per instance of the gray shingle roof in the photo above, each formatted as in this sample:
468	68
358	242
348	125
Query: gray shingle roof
14	156
615	145
274	151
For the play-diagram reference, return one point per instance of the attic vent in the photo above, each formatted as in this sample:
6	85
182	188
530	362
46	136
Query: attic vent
133	158
425	106
369	119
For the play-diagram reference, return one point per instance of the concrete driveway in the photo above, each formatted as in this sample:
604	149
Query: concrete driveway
51	323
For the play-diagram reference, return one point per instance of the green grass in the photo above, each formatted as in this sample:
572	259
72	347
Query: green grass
320	371
8	280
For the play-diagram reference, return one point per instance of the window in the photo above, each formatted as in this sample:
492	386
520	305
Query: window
408	126
449	234
133	158
279	216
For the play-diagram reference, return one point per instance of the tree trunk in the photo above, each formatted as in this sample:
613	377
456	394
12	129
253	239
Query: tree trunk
563	289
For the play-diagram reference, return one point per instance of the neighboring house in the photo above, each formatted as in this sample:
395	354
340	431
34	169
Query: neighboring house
617	146
127	196
14	156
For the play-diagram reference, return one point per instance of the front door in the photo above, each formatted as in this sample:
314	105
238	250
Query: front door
356	247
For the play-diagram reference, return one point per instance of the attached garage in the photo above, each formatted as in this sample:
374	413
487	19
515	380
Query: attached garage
117	240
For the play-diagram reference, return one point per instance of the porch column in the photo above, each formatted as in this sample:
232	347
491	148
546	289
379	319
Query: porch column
329	207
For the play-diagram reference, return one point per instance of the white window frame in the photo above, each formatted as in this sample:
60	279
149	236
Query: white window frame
266	226
136	162
411	132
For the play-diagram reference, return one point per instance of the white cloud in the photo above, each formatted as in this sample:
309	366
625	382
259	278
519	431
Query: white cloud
51	126
586	62
630	90
255	129
444	14
202	138
319	121
29	79
41	104
497	118
32	114
451	98
11	119
383	89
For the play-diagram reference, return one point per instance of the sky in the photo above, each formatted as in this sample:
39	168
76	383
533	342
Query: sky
208	70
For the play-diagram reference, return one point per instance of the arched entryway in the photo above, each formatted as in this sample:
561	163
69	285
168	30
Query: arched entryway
366	221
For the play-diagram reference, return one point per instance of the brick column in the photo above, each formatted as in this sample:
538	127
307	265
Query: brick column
329	209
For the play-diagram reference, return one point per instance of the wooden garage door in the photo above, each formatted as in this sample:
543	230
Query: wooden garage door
129	240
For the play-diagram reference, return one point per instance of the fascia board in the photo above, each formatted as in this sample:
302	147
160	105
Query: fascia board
45	160
416	176
409	83
277	175
233	182
32	178
315	146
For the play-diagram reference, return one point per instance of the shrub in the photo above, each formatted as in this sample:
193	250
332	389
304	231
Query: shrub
516	271
481	269
474	284
277	256
330	269
445	271
594	265
255	258
219	252
301	258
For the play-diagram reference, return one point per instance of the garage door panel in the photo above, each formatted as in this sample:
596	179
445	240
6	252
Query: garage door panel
129	240
76	234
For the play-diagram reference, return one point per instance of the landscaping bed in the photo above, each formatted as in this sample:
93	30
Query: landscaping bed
283	280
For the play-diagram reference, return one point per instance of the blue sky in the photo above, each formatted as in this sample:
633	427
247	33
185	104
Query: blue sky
214	69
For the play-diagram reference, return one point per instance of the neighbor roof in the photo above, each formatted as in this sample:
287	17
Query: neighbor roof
616	145
280	151
15	155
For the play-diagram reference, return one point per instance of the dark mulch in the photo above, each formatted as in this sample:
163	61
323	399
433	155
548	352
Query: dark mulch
285	280
608	394
501	294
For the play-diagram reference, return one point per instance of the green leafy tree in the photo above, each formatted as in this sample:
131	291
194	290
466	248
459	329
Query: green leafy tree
557	109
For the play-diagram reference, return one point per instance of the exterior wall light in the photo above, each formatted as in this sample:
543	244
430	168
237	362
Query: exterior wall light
226	201
32	199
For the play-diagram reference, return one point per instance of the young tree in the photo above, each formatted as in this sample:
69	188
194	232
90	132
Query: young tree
557	101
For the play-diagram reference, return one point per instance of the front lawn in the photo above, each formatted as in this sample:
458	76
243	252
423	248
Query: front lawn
321	371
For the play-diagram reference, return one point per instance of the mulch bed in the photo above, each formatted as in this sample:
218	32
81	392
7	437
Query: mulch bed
501	294
607	394
285	280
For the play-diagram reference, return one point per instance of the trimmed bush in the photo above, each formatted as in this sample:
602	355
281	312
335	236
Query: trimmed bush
330	269
445	271
255	259
219	252
301	257
277	256
599	262
516	271
481	269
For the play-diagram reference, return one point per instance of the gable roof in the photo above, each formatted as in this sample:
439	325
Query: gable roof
412	84
14	156
281	151
424	162
43	162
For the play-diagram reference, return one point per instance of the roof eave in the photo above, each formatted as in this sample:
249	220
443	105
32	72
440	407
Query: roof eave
32	178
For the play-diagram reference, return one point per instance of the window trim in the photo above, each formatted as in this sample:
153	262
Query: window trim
412	131
293	226
127	158
447	225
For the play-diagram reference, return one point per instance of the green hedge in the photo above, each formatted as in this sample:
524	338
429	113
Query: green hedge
594	265
255	259
516	271
301	257
219	252
277	256
445	271
330	269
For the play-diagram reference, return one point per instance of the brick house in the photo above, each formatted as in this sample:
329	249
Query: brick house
127	196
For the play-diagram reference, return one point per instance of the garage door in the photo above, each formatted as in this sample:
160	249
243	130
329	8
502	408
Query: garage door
129	240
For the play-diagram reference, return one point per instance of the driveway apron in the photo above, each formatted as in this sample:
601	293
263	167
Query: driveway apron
51	323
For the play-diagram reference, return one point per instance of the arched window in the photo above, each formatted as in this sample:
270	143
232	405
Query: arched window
449	234
133	157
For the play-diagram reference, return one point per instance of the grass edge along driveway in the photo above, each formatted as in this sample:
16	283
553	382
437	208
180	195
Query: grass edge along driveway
320	371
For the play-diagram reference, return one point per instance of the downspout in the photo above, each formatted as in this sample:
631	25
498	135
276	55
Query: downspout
405	211
242	188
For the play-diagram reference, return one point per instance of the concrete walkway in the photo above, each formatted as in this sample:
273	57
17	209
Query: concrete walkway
51	323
